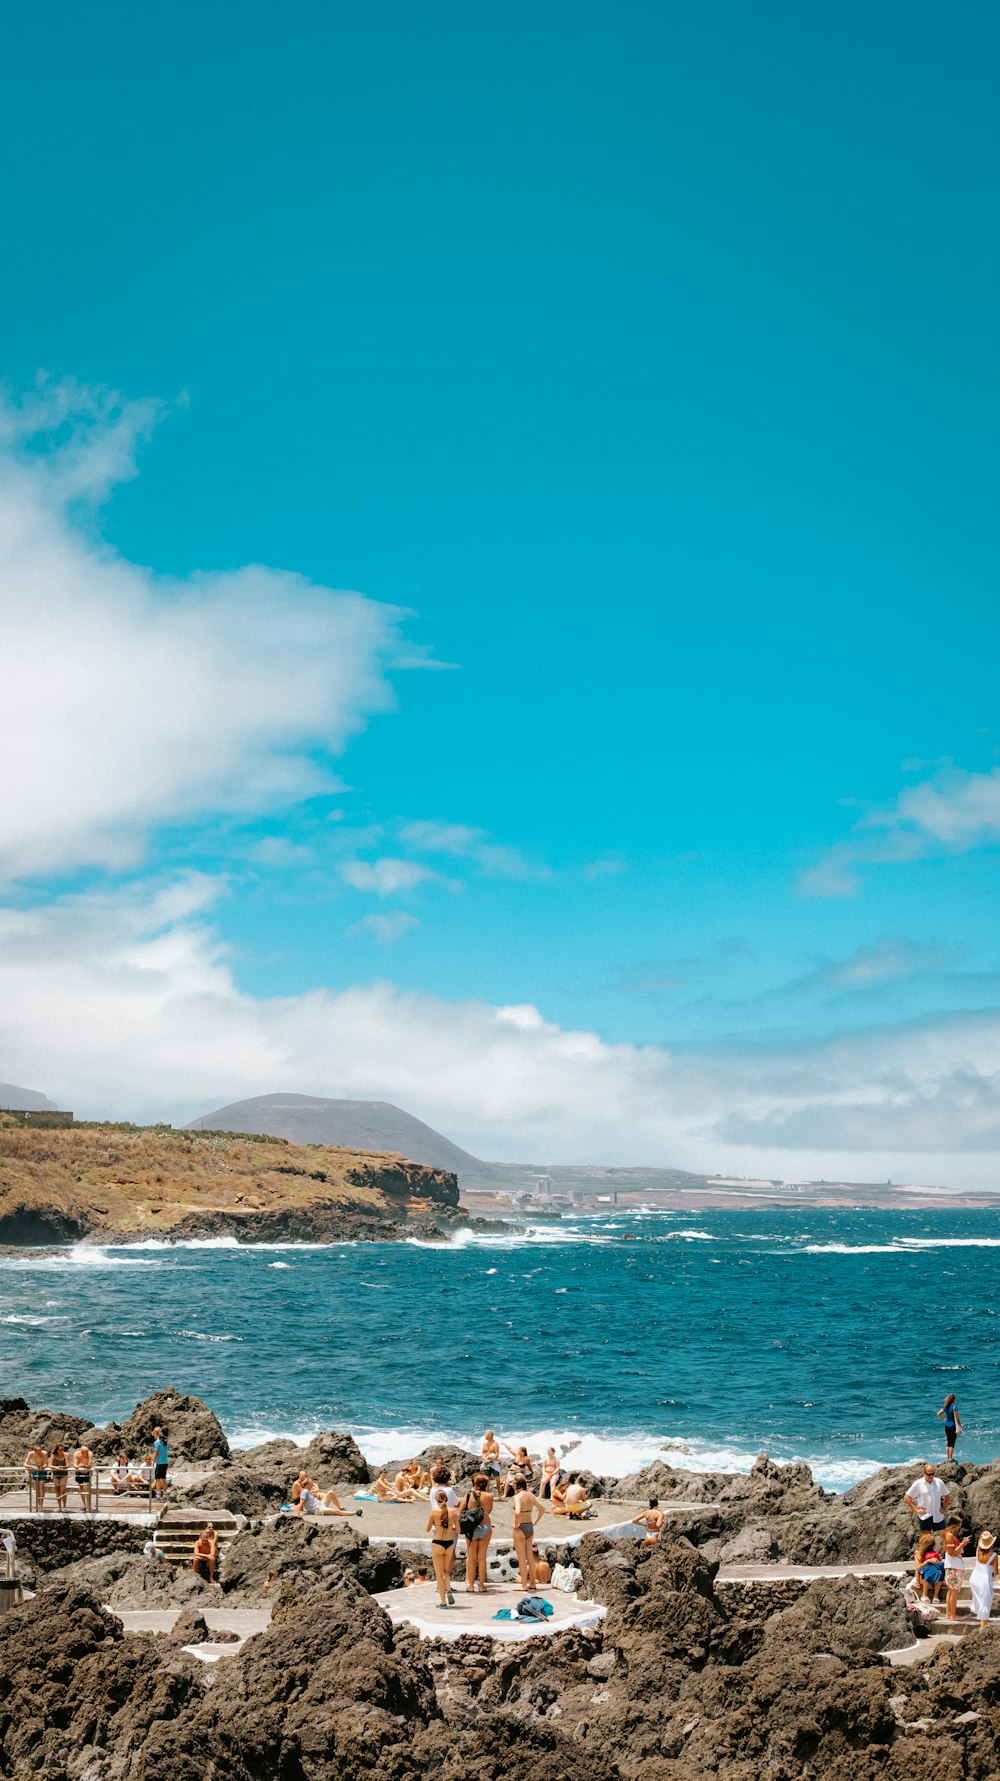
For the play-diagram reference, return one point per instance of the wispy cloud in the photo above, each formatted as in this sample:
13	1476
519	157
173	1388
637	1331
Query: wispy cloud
387	877
952	812
492	858
385	929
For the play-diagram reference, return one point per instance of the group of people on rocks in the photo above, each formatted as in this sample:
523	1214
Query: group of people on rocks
44	1467
939	1559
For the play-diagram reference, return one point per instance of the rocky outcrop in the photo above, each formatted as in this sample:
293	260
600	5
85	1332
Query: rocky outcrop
115	1183
192	1430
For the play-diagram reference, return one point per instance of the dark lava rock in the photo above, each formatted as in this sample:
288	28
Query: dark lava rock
20	1427
846	1615
236	1488
190	1628
460	1462
252	1564
77	1697
192	1430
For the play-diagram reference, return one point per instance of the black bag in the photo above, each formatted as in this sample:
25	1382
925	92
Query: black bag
471	1517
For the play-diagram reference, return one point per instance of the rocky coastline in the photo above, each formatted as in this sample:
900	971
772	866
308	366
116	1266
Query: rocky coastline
116	1184
686	1676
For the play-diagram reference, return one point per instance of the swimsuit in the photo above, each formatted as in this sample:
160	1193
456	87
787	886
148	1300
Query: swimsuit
450	1542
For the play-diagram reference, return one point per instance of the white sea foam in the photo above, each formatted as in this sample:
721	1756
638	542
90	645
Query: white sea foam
279	1264
609	1455
79	1255
16	1317
901	1246
204	1336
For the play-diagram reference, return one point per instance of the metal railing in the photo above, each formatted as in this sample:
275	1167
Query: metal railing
78	1491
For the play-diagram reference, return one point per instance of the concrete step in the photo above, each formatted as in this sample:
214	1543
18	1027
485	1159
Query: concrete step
178	1529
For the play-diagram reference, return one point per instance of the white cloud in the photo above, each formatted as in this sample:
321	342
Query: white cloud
387	877
124	1005
494	859
131	701
386	929
951	812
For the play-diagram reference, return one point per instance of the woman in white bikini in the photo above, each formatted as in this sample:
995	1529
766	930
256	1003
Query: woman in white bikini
550	1470
442	1525
525	1520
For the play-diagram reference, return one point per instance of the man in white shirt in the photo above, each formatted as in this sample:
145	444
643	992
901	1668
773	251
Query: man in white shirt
928	1498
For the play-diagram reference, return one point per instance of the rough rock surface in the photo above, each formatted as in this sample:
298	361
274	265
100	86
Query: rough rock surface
192	1430
675	1685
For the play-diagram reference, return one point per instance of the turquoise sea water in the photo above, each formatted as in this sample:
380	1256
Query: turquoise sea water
829	1336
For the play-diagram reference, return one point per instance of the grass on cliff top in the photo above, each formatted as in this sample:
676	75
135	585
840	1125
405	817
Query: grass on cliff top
149	1177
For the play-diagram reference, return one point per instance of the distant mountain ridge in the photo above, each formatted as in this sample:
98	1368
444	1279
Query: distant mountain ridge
357	1125
24	1100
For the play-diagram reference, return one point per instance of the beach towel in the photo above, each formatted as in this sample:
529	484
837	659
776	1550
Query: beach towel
365	1496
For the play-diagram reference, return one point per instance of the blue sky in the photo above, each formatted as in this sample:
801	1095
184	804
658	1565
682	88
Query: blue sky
647	360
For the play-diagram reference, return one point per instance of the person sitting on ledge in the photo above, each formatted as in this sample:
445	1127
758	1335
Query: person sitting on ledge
206	1553
404	1487
652	1520
520	1469
120	1475
557	1492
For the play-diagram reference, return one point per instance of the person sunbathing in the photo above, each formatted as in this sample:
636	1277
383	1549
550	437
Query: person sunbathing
386	1492
403	1485
575	1504
557	1493
330	1504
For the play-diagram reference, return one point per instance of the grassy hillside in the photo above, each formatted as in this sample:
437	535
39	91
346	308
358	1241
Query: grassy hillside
115	1181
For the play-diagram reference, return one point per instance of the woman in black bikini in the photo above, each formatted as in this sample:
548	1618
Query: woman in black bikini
59	1467
442	1525
525	1504
477	1545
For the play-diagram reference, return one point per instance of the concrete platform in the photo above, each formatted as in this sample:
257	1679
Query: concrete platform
407	1522
418	1607
244	1622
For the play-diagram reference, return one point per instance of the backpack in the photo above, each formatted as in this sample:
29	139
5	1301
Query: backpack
534	1607
471	1516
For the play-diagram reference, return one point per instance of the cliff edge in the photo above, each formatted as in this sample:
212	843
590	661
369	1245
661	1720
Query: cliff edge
110	1183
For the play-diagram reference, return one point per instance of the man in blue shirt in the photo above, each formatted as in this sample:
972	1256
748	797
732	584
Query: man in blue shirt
159	1463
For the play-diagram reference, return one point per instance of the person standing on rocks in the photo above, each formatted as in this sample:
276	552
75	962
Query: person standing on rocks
948	1414
983	1577
160	1461
928	1499
954	1567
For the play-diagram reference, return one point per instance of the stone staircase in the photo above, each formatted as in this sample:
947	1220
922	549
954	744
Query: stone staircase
966	1622
178	1529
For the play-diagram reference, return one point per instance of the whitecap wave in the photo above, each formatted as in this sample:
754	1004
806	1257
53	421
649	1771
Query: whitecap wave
610	1454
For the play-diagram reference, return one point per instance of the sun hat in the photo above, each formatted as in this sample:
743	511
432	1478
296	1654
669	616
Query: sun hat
986	1539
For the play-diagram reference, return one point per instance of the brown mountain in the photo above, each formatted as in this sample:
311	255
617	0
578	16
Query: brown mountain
358	1125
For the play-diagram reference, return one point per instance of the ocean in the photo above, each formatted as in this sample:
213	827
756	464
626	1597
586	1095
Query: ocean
828	1336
